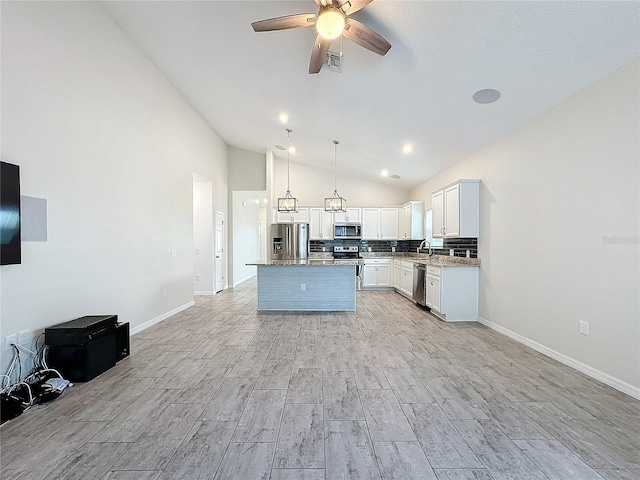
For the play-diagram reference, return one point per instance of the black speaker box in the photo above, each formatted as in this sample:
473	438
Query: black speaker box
122	341
83	348
82	362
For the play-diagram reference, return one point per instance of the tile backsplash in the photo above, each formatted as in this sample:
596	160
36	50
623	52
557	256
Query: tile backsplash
459	246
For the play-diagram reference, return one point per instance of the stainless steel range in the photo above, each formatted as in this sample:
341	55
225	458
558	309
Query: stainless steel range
350	254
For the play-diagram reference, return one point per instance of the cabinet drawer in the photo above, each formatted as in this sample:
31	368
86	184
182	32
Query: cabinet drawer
435	271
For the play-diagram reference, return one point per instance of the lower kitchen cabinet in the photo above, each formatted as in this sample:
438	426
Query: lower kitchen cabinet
452	292
376	273
403	277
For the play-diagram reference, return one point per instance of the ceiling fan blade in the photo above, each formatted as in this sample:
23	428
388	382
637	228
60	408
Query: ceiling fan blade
318	54
365	37
282	23
352	6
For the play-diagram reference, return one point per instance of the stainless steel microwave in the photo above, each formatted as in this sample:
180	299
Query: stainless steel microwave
347	231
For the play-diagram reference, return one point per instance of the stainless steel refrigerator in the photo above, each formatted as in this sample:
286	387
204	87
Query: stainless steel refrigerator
289	241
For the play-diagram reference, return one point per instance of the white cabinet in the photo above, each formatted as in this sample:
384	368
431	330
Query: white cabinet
456	210
433	289
376	273
353	215
380	223
411	221
452	292
397	274
403	277
302	215
320	224
406	282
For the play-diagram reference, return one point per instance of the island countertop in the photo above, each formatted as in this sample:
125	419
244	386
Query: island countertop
313	262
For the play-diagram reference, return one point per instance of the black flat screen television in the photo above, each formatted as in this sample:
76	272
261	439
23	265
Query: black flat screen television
10	242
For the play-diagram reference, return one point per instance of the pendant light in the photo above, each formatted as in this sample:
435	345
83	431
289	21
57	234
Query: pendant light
288	203
335	203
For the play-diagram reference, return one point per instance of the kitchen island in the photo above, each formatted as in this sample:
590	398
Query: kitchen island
307	285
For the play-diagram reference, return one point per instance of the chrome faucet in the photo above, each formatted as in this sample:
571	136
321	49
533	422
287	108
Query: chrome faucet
422	245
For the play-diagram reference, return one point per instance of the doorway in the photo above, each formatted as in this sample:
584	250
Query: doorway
203	245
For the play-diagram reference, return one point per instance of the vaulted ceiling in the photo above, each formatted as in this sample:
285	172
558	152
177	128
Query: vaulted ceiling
535	53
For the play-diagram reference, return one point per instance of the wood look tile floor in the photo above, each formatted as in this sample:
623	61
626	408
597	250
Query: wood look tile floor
222	392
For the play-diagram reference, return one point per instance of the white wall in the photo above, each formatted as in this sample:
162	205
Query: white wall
247	207
203	247
553	195
112	146
310	185
246	169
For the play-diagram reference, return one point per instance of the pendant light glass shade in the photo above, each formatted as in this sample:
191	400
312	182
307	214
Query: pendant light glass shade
335	203
288	203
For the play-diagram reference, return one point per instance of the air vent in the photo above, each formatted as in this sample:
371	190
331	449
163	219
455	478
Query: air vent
395	177
333	61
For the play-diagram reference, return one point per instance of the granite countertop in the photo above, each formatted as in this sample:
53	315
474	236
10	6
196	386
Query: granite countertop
326	258
436	260
313	262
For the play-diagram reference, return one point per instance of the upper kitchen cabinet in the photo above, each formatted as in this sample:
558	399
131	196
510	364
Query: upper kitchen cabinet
320	224
302	215
380	223
352	215
411	223
456	210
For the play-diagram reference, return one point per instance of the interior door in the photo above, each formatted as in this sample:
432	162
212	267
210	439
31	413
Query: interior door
219	251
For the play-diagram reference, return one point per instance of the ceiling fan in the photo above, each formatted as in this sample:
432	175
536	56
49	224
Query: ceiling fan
331	21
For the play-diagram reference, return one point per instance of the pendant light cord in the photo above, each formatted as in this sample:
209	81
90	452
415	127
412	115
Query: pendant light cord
288	155
335	165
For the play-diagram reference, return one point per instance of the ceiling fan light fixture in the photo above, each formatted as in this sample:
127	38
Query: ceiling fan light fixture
330	23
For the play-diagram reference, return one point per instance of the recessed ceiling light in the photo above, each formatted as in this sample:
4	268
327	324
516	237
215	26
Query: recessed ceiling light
283	117
292	149
488	95
394	176
407	148
384	173
280	147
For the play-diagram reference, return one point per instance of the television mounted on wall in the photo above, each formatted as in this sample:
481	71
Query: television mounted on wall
10	239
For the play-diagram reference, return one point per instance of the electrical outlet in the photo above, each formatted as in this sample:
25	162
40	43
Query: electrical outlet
174	254
197	278
164	292
303	286
11	339
24	337
584	327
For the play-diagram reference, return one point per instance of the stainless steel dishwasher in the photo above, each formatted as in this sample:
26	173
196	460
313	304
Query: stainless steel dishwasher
419	277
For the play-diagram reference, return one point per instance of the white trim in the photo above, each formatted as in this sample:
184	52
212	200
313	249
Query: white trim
614	382
158	319
209	293
235	284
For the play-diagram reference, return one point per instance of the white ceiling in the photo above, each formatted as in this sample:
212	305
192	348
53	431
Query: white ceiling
535	53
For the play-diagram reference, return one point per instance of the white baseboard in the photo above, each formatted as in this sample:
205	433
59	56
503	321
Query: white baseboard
205	292
571	362
158	319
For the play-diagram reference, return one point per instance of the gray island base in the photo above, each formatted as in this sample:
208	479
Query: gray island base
307	286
